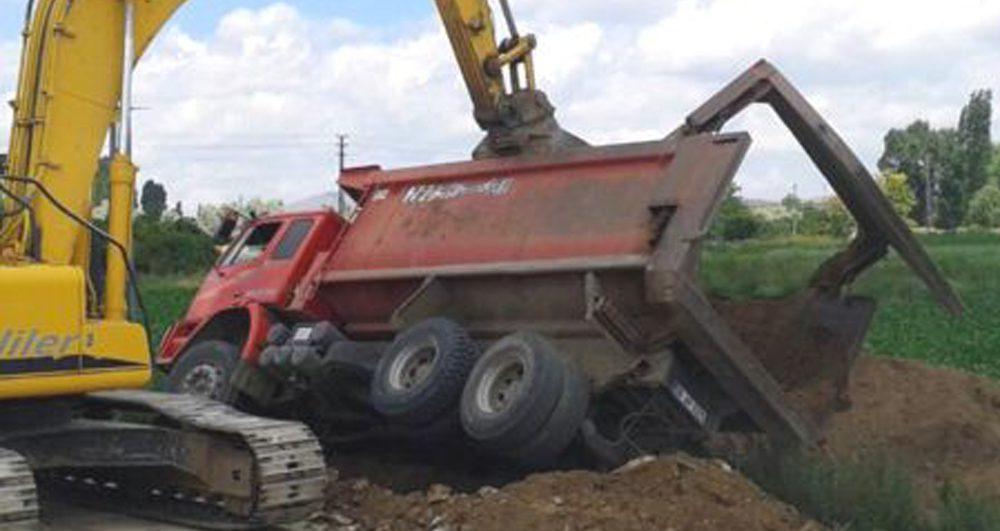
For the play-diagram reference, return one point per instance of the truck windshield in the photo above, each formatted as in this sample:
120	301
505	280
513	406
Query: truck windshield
252	245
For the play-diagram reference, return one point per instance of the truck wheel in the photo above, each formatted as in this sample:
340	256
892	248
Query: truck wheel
205	370
421	376
564	424
512	392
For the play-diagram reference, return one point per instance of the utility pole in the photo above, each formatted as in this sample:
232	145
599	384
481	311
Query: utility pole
341	150
341	156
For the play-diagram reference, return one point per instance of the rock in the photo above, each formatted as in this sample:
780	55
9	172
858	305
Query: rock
438	493
724	465
486	492
341	519
635	464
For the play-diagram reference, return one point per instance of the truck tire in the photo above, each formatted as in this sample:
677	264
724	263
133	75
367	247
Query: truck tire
563	425
421	376
512	392
205	370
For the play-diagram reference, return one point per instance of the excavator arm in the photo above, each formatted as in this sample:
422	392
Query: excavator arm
500	76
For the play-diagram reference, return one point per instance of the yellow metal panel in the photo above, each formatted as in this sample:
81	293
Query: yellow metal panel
48	348
70	85
469	24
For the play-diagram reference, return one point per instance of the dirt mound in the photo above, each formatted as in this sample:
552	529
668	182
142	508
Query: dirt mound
943	424
669	493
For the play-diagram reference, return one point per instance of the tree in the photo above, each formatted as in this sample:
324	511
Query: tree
171	247
993	174
953	192
736	220
984	209
153	200
897	189
911	151
976	141
827	218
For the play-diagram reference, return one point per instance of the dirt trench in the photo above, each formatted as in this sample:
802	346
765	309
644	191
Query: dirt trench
944	425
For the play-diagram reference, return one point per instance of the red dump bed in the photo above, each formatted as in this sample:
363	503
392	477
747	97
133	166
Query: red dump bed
498	212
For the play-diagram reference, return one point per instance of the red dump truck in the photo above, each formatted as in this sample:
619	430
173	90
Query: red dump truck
531	302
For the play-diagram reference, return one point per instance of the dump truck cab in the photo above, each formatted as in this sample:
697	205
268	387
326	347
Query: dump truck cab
256	274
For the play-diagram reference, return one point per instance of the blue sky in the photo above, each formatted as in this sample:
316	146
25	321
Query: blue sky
199	17
252	110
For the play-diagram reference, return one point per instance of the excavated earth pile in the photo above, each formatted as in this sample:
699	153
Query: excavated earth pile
670	493
941	424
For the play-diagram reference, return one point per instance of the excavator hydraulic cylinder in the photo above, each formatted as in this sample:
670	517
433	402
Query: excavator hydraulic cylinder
120	228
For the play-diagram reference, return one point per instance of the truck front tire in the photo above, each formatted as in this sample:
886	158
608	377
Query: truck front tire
205	370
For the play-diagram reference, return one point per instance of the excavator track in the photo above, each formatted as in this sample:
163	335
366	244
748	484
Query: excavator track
18	495
289	472
180	459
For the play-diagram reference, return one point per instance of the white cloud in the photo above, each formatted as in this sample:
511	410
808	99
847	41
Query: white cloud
252	108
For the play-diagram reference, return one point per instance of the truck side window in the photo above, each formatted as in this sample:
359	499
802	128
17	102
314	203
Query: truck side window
292	240
254	244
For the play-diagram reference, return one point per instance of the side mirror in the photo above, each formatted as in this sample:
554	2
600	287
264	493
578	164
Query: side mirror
224	234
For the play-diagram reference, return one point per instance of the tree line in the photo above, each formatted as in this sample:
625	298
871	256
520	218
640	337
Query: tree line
167	240
941	179
954	173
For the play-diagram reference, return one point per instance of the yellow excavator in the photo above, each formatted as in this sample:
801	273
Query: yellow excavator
74	352
74	419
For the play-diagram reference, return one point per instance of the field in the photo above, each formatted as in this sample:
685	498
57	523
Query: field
908	324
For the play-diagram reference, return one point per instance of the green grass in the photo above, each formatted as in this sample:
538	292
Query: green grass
871	493
908	324
167	300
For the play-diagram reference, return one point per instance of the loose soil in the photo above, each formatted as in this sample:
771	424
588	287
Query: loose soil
944	425
676	492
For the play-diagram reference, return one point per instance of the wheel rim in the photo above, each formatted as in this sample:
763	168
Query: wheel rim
413	367
204	380
502	383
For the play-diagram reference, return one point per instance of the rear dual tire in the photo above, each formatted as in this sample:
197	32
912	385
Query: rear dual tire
420	378
524	400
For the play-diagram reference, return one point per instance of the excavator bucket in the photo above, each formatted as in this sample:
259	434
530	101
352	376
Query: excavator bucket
790	358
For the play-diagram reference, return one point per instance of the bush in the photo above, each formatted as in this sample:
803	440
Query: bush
984	210
829	218
897	189
736	221
175	247
871	493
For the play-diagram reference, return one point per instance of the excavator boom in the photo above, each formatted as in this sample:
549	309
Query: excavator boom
67	98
